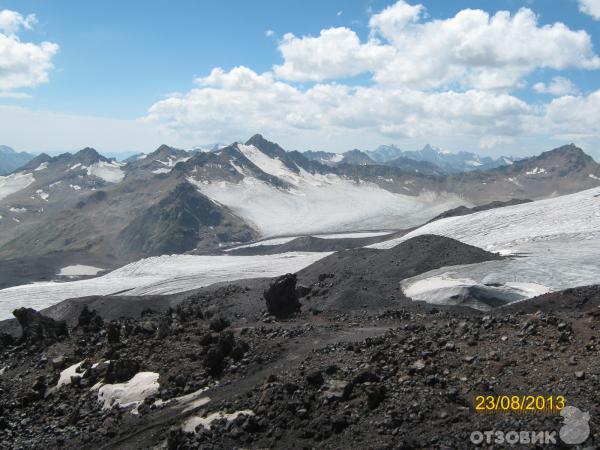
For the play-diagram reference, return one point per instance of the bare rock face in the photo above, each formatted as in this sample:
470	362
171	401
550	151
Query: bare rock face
38	328
281	297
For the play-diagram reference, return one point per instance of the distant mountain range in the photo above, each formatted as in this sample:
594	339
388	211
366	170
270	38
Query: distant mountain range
84	207
11	160
209	147
433	159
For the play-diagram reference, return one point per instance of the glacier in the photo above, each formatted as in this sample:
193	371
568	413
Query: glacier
167	274
553	244
317	203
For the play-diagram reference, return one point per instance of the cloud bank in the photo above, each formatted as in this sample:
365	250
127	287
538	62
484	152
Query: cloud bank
420	77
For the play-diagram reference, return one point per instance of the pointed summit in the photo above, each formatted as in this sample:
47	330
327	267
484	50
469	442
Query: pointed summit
89	156
35	162
566	158
269	148
163	148
566	149
257	138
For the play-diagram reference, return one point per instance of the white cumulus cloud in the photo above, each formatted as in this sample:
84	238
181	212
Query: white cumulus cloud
591	7
22	64
335	53
574	117
558	86
473	49
241	101
12	21
476	49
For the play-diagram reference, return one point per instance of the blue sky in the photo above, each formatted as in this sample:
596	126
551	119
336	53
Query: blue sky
116	61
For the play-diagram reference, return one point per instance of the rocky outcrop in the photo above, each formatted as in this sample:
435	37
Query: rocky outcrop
39	329
89	321
281	297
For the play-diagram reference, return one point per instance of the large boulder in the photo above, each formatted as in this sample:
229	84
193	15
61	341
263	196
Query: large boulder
121	370
89	321
281	297
38	328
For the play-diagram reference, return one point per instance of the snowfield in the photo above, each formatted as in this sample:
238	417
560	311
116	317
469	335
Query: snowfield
108	171
79	270
555	243
567	216
320	203
157	275
169	164
14	183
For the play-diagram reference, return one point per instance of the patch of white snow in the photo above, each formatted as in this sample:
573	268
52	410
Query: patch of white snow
108	171
131	393
79	270
14	183
190	425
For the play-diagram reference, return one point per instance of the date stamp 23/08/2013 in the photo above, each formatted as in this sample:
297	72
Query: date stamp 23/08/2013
520	404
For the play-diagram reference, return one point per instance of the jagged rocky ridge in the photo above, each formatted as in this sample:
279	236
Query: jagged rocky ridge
429	160
84	208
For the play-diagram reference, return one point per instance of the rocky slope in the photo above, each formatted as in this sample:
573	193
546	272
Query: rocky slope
212	369
183	220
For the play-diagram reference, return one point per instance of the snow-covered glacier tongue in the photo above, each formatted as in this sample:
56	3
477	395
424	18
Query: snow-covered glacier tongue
168	274
319	203
551	245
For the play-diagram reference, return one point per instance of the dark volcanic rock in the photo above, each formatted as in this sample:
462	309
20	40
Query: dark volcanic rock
219	324
302	291
121	370
6	340
38	328
315	378
281	297
337	380
89	321
113	333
